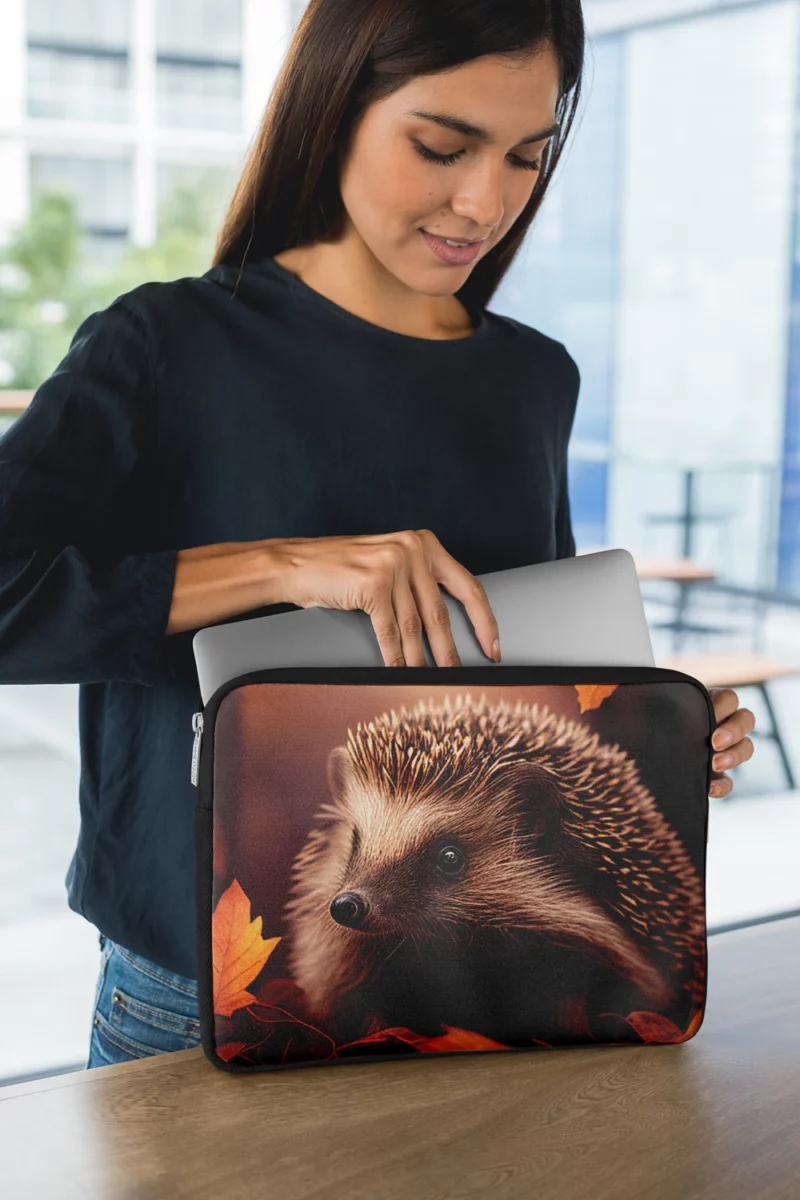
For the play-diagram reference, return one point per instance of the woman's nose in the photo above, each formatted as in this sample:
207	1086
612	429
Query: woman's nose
480	200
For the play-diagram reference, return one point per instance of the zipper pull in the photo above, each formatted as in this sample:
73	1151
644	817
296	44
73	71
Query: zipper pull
197	726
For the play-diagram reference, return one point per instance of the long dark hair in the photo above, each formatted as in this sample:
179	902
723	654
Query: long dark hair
344	56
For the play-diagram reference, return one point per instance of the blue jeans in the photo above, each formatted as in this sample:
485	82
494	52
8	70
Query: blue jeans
140	1009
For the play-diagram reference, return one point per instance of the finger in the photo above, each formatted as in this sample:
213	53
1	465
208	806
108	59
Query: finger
464	586
384	621
725	701
409	622
733	729
435	615
738	754
421	547
721	786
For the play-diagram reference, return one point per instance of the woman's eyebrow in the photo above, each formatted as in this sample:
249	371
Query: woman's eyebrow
470	130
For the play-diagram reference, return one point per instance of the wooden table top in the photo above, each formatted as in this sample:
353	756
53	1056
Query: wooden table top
14	402
730	670
714	1118
681	570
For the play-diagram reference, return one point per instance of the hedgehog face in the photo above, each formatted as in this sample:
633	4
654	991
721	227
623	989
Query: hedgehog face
410	867
390	896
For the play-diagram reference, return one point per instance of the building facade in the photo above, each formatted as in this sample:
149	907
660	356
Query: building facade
122	99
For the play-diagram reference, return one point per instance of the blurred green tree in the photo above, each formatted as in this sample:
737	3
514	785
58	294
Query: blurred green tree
50	280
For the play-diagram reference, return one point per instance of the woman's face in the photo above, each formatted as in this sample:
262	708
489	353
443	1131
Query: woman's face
392	189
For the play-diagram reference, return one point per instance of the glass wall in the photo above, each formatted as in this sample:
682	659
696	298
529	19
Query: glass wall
788	553
566	280
665	245
704	276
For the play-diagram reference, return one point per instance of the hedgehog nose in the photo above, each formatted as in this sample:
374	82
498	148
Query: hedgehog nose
349	908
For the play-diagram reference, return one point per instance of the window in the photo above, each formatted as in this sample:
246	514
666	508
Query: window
102	188
199	64
205	28
199	95
78	66
80	22
77	87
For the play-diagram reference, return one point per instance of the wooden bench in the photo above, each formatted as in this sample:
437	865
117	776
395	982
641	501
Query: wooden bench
740	670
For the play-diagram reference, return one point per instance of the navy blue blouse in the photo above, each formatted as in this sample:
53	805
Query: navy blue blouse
237	406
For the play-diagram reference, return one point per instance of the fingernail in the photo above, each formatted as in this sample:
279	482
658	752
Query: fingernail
496	650
722	738
721	761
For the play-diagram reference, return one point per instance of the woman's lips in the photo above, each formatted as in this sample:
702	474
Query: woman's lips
453	255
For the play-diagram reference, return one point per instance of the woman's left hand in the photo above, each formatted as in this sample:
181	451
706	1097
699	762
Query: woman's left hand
729	740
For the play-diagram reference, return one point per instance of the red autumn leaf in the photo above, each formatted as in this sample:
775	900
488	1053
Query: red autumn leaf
653	1027
592	695
272	1033
239	951
453	1039
282	993
230	1050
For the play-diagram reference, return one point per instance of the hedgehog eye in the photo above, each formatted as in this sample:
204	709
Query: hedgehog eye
356	843
450	861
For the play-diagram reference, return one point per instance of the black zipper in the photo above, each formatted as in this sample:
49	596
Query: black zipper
510	676
197	726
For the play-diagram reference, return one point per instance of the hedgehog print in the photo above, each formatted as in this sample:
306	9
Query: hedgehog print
494	868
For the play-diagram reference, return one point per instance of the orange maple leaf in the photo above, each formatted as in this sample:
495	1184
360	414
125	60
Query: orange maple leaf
459	1039
239	951
592	695
692	1027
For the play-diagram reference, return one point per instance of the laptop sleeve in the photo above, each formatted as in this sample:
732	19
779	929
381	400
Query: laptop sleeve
408	861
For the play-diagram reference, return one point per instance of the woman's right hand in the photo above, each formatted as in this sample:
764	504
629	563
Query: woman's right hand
394	578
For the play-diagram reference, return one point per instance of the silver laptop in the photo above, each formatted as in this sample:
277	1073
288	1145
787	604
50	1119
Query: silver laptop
582	611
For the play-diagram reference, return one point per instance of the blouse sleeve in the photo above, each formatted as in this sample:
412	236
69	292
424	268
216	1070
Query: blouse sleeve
81	600
565	539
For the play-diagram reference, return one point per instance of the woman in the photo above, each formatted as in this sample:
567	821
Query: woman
328	417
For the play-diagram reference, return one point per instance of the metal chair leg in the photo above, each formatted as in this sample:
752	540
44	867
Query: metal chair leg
777	736
678	633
